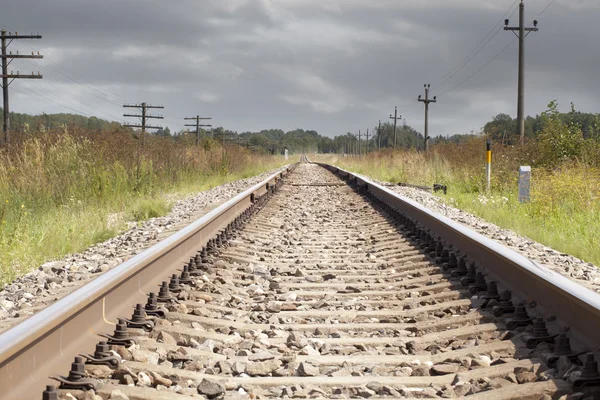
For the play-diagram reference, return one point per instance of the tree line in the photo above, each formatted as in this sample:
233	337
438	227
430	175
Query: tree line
501	129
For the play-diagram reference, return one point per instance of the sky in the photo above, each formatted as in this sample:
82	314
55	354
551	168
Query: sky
333	66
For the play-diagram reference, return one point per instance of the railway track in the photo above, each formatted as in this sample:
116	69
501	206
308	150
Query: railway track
326	286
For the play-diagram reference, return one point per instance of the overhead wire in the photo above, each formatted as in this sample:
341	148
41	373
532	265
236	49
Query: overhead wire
484	42
496	56
468	58
62	78
479	70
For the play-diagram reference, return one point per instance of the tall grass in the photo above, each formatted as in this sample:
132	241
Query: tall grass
58	190
564	212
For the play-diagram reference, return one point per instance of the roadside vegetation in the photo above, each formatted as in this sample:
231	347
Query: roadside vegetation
564	212
62	192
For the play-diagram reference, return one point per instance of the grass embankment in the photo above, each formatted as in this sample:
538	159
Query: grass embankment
62	193
564	212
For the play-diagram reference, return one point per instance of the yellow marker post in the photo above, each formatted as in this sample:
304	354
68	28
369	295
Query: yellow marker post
488	165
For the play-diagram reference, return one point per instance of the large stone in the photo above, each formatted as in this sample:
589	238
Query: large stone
420	371
225	367
118	395
306	369
444	369
462	388
160	380
273	307
211	389
204	297
261	356
143	379
526	377
166	338
289	296
498	383
7	304
262	368
145	356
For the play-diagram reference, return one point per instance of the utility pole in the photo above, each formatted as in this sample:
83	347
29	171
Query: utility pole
395	118
6	76
197	125
359	136
427	100
143	117
379	136
521	85
367	143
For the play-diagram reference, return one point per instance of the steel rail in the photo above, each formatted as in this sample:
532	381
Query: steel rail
574	305
45	344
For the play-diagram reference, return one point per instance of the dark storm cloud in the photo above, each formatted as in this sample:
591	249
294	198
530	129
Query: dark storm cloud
334	66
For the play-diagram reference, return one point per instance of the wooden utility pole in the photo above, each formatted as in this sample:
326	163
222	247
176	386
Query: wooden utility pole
6	60
427	100
379	136
143	117
395	117
359	136
367	143
197	118
521	83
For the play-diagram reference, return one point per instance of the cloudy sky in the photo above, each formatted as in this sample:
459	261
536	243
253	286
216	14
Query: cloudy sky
330	65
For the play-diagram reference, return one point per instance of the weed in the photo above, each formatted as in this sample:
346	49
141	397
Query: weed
57	190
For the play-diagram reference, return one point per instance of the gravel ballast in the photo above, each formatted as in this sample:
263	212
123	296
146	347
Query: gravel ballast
584	273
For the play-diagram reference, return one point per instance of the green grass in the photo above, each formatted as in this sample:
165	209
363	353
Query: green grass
61	194
44	234
146	208
564	212
567	230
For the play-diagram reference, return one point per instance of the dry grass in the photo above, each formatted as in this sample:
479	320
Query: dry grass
564	212
57	190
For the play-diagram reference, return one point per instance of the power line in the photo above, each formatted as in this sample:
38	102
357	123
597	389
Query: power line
71	75
479	70
544	10
475	51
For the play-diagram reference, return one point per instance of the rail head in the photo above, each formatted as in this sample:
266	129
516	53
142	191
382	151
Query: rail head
45	343
574	305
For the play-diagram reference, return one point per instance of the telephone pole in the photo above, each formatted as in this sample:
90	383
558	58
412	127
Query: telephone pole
379	136
143	117
521	84
427	100
395	118
359	136
367	143
6	60
198	119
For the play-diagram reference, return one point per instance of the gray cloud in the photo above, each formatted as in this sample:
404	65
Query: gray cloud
332	66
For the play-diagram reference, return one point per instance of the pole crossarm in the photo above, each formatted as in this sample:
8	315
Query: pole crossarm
197	118
9	56
143	105
6	58
17	36
140	126
20	76
144	117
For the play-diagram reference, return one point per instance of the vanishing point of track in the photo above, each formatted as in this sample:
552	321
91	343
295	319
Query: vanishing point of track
315	284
